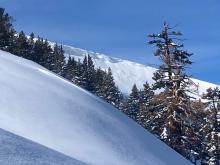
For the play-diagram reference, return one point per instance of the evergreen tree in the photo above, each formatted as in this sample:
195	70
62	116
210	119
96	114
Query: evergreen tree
22	46
132	104
79	78
145	105
99	82
47	57
56	59
7	31
90	75
31	44
146	95
87	74
171	76
110	91
69	70
38	51
198	132
83	68
213	123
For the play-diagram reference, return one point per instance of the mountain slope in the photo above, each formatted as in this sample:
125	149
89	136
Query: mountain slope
40	106
16	150
126	73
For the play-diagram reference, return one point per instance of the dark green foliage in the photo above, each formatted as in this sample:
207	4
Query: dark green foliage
46	59
212	138
145	105
6	31
90	75
132	104
85	76
21	46
31	45
99	81
146	94
57	59
94	80
110	91
173	118
38	51
78	79
69	70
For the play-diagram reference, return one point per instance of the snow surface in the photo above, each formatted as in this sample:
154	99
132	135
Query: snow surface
16	150
126	73
40	106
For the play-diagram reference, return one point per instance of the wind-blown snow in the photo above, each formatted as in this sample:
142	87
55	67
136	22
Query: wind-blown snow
40	106
16	150
126	73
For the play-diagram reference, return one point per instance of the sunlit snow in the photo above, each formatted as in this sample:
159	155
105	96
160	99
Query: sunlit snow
126	73
42	107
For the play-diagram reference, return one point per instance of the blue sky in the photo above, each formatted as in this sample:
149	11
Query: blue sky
119	28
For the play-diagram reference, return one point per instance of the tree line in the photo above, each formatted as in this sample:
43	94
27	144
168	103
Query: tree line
51	56
189	126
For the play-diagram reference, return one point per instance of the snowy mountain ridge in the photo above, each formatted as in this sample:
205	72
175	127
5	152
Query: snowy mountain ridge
126	73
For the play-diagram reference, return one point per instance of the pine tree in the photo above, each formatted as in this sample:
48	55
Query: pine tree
145	105
213	122
198	131
110	91
171	76
22	46
86	78
79	78
47	56
82	80
133	103
56	59
7	31
90	75
69	70
31	44
99	82
38	51
146	94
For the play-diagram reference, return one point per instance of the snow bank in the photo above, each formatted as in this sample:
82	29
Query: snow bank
42	107
16	150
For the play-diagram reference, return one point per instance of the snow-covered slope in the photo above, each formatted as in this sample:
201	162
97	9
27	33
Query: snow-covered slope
42	107
124	71
16	150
